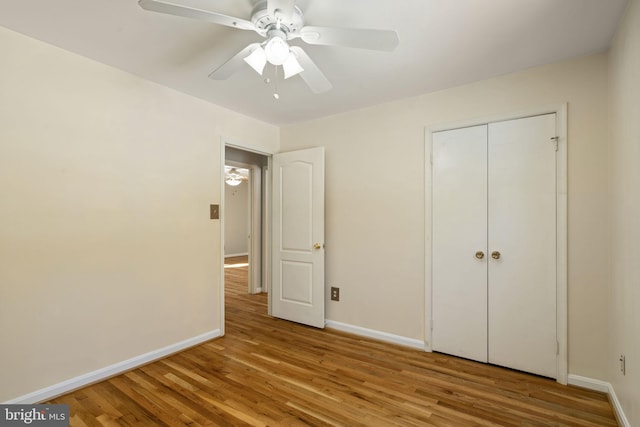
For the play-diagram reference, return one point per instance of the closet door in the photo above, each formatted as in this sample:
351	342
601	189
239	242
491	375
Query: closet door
522	229
459	295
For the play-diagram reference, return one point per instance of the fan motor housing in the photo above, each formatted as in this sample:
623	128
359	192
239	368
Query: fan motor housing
265	22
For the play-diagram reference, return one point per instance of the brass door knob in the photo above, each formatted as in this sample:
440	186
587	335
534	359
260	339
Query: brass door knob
495	255
317	246
479	254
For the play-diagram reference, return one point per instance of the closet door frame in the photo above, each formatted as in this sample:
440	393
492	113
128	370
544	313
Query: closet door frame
561	222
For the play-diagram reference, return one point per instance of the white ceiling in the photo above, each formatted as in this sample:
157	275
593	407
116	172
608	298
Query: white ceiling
443	43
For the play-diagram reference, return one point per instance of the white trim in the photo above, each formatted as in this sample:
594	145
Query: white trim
428	234
266	230
604	387
562	367
255	230
588	383
245	147
111	370
268	233
617	408
378	335
561	216
530	112
221	215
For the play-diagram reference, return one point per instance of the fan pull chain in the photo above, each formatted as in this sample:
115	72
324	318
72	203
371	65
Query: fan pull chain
276	95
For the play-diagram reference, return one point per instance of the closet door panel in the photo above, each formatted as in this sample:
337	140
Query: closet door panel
522	228
459	277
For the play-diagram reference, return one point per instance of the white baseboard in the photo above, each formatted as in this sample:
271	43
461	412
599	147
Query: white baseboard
371	333
605	387
126	365
109	371
588	383
234	255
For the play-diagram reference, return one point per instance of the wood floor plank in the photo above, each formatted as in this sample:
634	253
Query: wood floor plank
270	372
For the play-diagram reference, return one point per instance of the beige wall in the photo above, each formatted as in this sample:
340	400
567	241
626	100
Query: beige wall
624	170
375	190
107	252
106	249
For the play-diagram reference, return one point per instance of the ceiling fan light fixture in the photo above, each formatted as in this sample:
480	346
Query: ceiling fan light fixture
276	50
257	59
233	181
233	178
291	66
279	21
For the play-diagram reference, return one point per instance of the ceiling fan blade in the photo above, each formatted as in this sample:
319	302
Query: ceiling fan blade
234	64
385	40
312	76
164	6
286	8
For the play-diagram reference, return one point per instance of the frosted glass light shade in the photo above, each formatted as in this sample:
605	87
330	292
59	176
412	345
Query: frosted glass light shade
276	50
291	66
233	178
257	59
233	181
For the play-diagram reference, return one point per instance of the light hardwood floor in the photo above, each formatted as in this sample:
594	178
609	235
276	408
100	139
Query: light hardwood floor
269	372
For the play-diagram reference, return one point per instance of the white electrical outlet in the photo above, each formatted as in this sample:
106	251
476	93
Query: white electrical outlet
335	293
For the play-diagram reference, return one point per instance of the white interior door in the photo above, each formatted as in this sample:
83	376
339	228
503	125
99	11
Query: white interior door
297	292
459	298
522	228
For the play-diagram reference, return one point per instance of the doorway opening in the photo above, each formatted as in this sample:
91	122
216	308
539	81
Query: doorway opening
237	225
288	222
245	207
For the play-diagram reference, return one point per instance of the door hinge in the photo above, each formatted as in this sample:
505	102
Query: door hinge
557	348
555	141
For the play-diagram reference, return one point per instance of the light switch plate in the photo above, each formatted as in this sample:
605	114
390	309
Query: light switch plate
214	211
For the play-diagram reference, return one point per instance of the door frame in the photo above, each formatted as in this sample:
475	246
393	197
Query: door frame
561	222
264	220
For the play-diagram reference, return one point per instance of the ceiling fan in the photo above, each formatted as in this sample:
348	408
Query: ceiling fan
234	177
278	22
